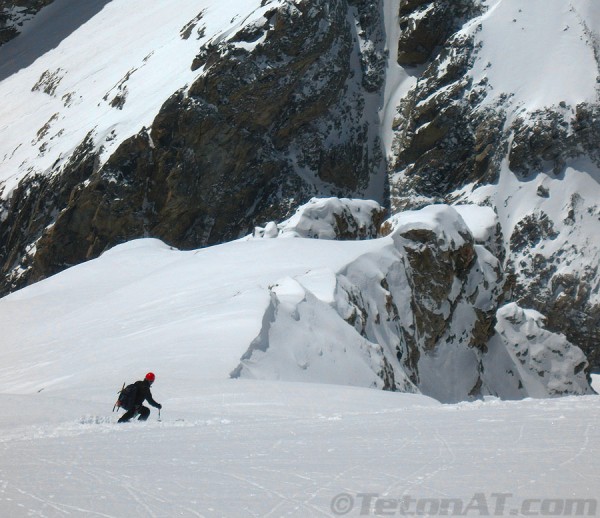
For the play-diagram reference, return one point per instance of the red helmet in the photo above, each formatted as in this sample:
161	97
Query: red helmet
150	377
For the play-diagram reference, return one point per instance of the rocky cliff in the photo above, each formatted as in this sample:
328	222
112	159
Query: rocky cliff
217	120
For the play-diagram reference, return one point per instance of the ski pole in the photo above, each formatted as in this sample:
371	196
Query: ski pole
159	414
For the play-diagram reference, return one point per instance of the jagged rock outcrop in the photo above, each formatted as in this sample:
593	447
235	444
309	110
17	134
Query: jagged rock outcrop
435	146
422	312
330	218
437	305
426	25
535	361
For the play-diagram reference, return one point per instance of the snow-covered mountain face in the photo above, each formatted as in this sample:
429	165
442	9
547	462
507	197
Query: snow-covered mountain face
197	124
505	113
190	124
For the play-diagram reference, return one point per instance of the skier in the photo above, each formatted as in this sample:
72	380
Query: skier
142	394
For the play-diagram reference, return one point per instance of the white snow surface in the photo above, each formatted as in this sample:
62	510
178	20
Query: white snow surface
540	52
482	221
247	448
242	447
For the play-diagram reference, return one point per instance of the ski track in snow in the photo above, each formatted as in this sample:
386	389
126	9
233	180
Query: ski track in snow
286	449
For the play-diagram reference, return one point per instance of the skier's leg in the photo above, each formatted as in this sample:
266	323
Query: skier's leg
144	413
127	416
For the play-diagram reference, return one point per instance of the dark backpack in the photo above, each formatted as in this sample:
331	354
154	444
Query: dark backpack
127	397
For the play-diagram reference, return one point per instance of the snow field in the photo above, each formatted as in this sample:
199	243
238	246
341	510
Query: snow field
250	448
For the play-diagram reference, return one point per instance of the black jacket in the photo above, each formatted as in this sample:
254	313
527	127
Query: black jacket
143	394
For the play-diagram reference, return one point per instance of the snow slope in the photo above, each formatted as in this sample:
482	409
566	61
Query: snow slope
43	31
248	448
205	307
534	56
295	309
539	52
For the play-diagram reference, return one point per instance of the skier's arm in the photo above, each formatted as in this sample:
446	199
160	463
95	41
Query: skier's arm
152	402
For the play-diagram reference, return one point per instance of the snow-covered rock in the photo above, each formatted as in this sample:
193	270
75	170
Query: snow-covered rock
303	339
416	314
192	125
196	124
536	362
329	218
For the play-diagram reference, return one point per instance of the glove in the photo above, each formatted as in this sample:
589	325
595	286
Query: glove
159	406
